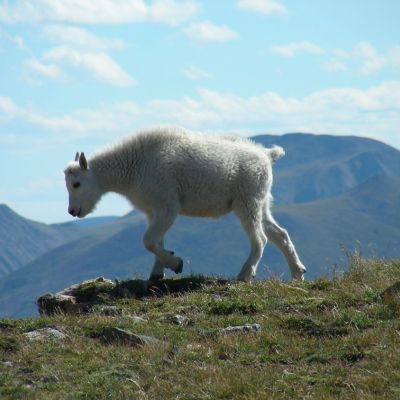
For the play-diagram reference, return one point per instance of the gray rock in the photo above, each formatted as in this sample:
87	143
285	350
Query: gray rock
117	335
75	289
53	378
111	311
50	304
241	328
179	319
75	299
391	292
46	333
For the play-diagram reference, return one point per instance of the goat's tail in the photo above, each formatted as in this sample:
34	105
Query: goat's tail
276	152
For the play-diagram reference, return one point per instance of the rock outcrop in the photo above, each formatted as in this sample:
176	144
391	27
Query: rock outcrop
99	294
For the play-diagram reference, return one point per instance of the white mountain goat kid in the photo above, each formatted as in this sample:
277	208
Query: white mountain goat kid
169	171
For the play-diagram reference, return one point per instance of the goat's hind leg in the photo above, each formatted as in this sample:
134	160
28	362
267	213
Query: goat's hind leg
281	239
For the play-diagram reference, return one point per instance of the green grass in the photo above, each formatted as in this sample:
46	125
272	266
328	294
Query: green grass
323	339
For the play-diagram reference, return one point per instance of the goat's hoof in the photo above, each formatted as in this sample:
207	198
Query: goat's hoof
298	277
299	274
180	267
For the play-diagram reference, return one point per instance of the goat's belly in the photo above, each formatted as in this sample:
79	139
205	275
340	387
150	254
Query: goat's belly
204	213
206	208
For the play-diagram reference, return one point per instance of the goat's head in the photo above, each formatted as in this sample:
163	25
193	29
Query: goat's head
82	187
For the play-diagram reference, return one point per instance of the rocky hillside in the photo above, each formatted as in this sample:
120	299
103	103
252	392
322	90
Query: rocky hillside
200	338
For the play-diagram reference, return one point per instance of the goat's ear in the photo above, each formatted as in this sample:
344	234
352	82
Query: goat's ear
82	161
77	156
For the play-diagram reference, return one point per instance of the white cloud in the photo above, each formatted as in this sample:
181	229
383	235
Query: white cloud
207	31
171	12
373	112
100	64
370	59
262	6
363	56
333	65
8	108
80	50
80	38
52	123
195	73
16	40
367	59
47	70
291	49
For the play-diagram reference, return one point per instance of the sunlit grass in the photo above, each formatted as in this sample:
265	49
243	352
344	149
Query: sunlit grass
328	338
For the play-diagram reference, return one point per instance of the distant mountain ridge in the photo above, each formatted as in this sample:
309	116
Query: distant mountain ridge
353	191
321	166
22	240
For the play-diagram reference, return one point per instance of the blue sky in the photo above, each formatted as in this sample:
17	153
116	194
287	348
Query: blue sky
76	75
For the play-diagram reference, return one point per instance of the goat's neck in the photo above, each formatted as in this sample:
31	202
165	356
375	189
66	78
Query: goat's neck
112	173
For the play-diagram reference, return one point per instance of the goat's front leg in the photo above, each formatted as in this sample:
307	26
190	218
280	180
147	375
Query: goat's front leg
159	224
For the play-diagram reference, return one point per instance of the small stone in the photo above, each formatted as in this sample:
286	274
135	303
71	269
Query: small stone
179	319
45	333
50	379
8	363
241	328
118	335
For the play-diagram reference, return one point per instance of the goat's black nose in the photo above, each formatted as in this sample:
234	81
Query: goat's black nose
72	212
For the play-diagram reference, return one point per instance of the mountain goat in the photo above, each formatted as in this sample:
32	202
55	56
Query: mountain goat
169	171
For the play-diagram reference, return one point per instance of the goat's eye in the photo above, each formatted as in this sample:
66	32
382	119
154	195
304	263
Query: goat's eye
76	185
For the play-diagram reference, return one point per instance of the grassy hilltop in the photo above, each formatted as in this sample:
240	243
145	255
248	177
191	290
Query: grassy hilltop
322	339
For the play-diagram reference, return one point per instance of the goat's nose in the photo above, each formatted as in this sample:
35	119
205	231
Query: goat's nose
72	212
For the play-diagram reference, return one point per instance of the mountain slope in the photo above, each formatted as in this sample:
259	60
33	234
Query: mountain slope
22	240
321	166
366	218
